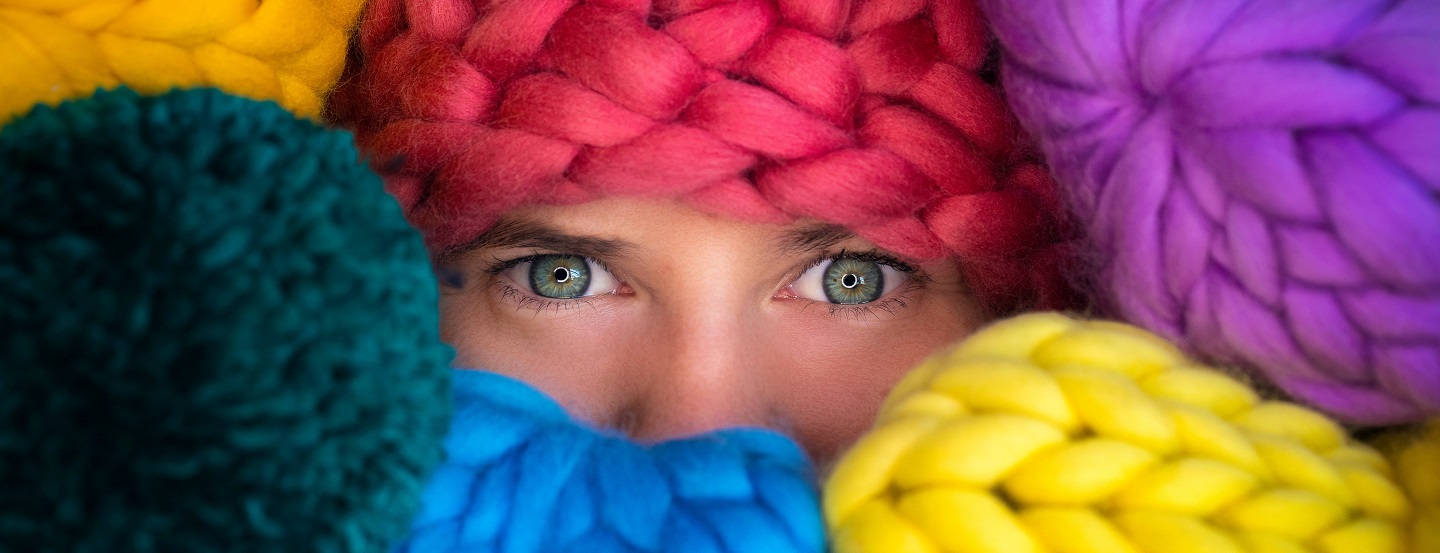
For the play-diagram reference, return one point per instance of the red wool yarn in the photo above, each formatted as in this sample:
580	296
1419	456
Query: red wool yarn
866	114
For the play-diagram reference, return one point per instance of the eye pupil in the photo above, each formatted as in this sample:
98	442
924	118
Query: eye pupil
560	276
853	281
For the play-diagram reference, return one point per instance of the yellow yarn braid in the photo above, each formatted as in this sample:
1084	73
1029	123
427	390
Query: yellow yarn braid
1416	456
1044	433
291	51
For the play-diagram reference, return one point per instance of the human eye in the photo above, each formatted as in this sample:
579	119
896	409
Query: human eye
559	276
852	278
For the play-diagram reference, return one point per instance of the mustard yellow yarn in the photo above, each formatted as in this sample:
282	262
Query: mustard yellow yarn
1416	456
1044	433
291	51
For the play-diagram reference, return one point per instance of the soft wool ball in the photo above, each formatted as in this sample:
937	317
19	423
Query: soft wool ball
219	333
1260	179
291	51
521	476
1044	433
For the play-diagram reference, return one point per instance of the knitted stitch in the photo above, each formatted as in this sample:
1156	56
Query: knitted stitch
522	477
1261	179
1044	433
1416	455
291	51
219	334
870	115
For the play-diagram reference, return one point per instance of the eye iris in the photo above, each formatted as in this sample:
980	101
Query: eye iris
852	281
559	276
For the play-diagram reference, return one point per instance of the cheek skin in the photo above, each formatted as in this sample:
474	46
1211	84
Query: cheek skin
837	376
576	364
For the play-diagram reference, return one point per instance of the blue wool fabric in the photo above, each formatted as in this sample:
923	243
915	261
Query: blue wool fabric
219	334
523	477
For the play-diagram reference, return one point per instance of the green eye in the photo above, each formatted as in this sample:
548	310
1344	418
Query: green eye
560	276
853	281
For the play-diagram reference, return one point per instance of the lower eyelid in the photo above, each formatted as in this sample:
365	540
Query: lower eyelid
902	297
875	309
528	300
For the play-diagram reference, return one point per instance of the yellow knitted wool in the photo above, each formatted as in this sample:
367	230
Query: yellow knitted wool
1047	434
290	51
1416	456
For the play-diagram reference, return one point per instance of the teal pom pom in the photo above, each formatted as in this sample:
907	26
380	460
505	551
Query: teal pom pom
219	333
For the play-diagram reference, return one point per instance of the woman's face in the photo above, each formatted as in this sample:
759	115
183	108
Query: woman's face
663	321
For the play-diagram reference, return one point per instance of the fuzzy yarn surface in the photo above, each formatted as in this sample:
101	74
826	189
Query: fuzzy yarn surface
1046	433
521	476
1416	456
874	116
291	51
1260	179
220	333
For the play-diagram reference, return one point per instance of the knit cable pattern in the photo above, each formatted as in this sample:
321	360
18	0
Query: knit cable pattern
870	115
219	334
1044	433
1260	177
291	51
521	476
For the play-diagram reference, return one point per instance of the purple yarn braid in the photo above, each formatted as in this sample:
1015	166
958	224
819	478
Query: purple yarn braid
1261	178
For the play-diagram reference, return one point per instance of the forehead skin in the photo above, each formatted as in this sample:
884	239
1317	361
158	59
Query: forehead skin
705	331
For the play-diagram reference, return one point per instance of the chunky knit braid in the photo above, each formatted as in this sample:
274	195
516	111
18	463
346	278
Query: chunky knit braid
1262	179
1043	433
523	477
871	117
291	51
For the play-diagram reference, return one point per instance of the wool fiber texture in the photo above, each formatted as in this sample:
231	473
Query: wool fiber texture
1046	433
1261	180
1415	453
522	477
291	51
220	334
869	115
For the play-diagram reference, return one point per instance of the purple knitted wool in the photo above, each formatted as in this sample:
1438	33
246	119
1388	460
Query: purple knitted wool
1261	179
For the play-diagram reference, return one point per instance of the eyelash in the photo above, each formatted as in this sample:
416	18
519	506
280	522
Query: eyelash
872	256
526	300
899	299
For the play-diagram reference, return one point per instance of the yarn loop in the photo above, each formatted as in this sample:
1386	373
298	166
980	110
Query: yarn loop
290	51
1415	454
1259	181
1046	433
521	476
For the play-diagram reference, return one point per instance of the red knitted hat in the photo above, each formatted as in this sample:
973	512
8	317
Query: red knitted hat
867	114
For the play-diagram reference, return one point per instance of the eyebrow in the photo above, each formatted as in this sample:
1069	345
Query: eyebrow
815	237
526	233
